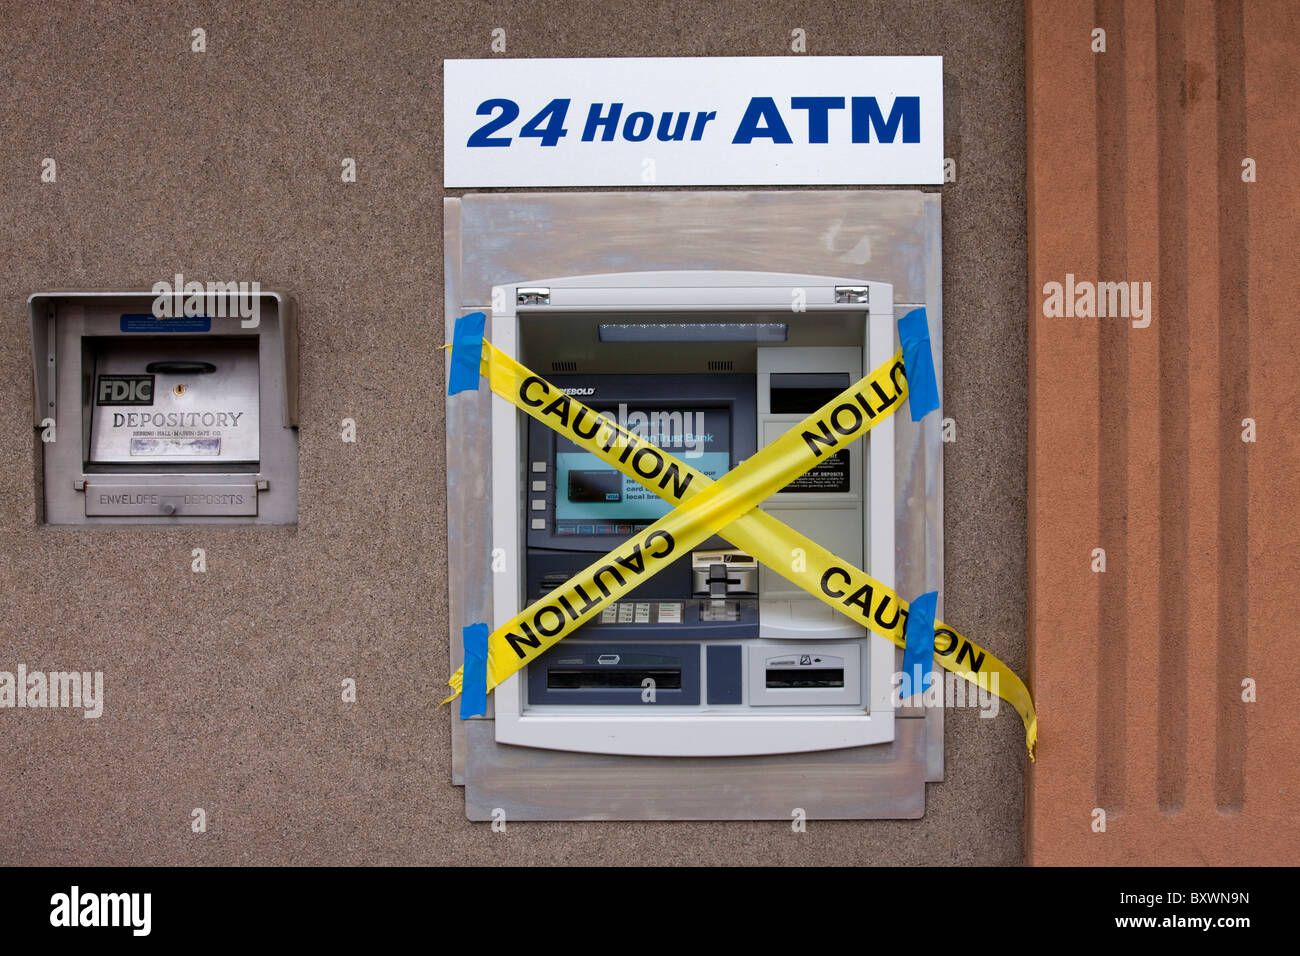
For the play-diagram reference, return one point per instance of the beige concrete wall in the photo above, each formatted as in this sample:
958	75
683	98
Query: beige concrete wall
223	689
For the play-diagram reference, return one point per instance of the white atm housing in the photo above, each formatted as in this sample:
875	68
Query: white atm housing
800	337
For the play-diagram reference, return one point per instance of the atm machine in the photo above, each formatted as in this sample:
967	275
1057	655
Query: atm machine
717	656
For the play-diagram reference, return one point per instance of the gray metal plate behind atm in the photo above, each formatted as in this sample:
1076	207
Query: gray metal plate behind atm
886	781
890	235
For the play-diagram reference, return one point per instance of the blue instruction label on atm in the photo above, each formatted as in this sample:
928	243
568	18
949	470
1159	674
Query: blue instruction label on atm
146	322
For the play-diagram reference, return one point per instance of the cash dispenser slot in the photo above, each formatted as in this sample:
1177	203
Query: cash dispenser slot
586	674
604	678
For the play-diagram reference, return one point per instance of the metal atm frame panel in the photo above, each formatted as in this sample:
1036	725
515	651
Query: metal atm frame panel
705	733
492	238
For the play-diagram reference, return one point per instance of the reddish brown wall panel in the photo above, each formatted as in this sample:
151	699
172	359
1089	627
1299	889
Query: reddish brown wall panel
1135	174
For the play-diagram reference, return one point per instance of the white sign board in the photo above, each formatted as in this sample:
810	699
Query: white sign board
738	121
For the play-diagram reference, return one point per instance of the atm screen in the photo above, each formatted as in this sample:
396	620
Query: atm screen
593	498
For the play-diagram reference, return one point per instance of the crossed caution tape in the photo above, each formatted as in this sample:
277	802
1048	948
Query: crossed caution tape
705	507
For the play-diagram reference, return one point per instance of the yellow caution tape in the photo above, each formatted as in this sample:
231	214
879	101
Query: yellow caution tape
727	507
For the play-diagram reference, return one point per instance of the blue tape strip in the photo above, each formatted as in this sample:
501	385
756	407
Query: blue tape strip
918	361
918	652
466	353
473	679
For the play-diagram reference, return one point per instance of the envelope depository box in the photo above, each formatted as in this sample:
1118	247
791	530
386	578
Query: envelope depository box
147	420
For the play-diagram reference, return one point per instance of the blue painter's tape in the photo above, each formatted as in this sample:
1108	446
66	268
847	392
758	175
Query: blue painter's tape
918	361
146	322
473	683
466	353
918	653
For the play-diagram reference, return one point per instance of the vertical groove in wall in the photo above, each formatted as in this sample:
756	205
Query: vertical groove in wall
1172	323
1234	381
1206	84
1113	345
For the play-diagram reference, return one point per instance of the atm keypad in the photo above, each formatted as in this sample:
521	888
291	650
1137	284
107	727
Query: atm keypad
642	612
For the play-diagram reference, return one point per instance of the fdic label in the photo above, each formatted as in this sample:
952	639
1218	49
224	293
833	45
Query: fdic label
124	390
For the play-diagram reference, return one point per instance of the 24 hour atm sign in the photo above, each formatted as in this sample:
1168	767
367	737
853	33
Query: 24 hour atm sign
673	122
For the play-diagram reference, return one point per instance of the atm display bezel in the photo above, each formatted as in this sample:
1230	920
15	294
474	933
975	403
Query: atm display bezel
734	391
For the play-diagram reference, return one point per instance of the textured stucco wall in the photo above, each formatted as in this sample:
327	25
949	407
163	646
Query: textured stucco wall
223	688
